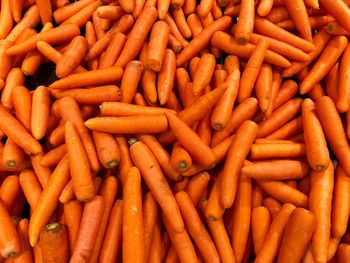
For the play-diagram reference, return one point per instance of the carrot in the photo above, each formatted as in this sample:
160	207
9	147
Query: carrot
54	36
92	214
333	130
263	87
339	11
93	77
342	93
320	40
332	82
241	217
12	155
113	50
278	14
181	244
107	149
6	60
241	113
150	218
343	253
174	44
180	158
63	13
298	13
200	41
43	173
154	178
272	205
245	23
72	216
54	243
45	11
125	160
196	228
226	43
181	22
22	103
266	28
316	146
274	236
261	221
265	7
251	71
276	169
161	155
26	250
284	193
14	130
273	151
31	187
340	204
320	203
204	72
10	191
6	19
257	196
48	200
196	186
191	141
79	165
275	87
121	125
166	76
119	109
297	234
287	91
194	24
316	22
137	36
109	12
325	62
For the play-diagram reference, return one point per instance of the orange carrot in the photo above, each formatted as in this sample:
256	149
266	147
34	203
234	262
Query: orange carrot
180	158
10	191
263	87
65	12
43	173
26	250
343	253
246	22
261	221
72	216
166	76
125	159
6	19
30	186
204	72
12	154
40	112
150	218
22	103
264	7
276	150
339	11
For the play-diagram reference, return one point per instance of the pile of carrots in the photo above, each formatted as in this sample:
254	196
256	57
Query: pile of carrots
175	131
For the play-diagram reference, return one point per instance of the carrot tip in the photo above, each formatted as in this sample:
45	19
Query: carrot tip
217	126
182	165
242	41
132	141
11	164
319	168
112	164
12	255
52	226
212	218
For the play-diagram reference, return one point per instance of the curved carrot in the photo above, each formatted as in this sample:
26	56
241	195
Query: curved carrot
276	169
22	104
12	155
166	76
333	130
54	243
55	36
48	200
227	43
261	221
273	151
92	214
273	237
31	187
325	62
297	234
72	216
202	39
245	23
343	95
196	228
154	178
180	158
320	203
298	13
316	145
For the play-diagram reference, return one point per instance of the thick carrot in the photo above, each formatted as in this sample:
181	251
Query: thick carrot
110	12
12	155
40	112
200	41
161	155
196	228
6	19
113	50
54	36
180	158
343	253
272	205
274	236
241	217
339	10
276	169
191	141
93	77
166	76
334	131
261	221
316	145
54	243
107	149
297	234
45	11
227	43
112	243
14	78
263	87
325	62
245	23
274	151
30	186
264	7
181	22
340	203
65	12
196	186
89	226
10	191
48	200
78	164
6	60
203	73
298	13
72	215
130	80
320	204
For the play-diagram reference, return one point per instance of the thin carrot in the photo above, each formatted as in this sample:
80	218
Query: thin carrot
273	151
26	250
272	205
54	243
12	155
332	82
125	159
299	228
113	50
325	62
276	169
257	196
30	186
88	230
6	19
320	203
43	173
181	22
65	12
316	22
245	23
6	60
10	191
196	228
196	186
204	72
166	76
107	149
265	7
72	215
274	236
263	87
119	109
22	103
343	95
261	221
154	178
48	200
333	129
